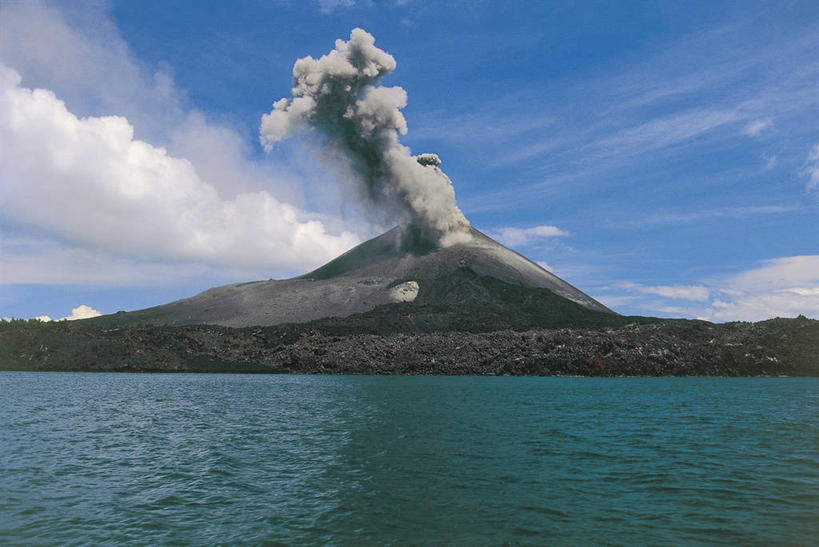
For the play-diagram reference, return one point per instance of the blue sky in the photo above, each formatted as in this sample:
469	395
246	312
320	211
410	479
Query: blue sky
662	157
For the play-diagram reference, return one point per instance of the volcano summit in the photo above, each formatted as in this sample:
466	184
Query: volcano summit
399	266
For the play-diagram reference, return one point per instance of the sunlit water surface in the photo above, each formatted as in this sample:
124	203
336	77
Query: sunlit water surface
203	459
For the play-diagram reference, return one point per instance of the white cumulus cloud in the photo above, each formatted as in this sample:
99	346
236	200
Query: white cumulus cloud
163	169
88	181
82	312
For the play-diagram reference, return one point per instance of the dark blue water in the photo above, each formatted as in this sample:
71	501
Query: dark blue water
203	459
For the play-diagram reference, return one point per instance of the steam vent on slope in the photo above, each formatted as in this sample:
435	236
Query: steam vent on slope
398	267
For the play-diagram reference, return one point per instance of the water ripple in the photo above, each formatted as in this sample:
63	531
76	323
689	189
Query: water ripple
201	459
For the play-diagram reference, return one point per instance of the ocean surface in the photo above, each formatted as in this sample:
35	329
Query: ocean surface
249	459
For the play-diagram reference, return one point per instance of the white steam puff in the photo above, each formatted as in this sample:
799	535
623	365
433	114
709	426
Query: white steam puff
337	95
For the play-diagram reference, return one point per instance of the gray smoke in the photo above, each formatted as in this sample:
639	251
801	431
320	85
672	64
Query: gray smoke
337	95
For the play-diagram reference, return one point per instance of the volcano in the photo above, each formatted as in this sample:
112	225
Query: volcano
400	266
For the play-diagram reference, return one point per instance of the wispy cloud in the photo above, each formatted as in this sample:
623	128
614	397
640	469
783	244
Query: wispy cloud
609	127
613	301
489	125
710	214
778	274
812	169
545	265
515	237
525	152
677	292
329	6
661	133
45	261
755	127
779	287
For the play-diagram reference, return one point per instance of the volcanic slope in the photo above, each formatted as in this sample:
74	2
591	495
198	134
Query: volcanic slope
397	268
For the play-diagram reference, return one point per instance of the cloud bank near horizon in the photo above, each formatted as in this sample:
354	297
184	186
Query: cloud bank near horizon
778	287
80	312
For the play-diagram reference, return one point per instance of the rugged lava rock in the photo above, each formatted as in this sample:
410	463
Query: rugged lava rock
661	348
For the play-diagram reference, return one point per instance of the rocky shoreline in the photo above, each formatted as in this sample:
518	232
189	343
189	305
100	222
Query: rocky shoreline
779	347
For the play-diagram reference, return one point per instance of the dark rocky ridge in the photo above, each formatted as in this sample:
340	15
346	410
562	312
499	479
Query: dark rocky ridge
652	348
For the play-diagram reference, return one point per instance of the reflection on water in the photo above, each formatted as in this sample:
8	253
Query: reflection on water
294	459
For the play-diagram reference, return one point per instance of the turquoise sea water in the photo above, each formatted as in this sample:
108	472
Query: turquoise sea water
206	459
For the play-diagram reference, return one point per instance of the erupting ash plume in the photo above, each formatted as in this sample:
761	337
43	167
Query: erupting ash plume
337	94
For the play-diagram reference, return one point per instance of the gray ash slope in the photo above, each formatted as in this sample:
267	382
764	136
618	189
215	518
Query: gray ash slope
397	272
